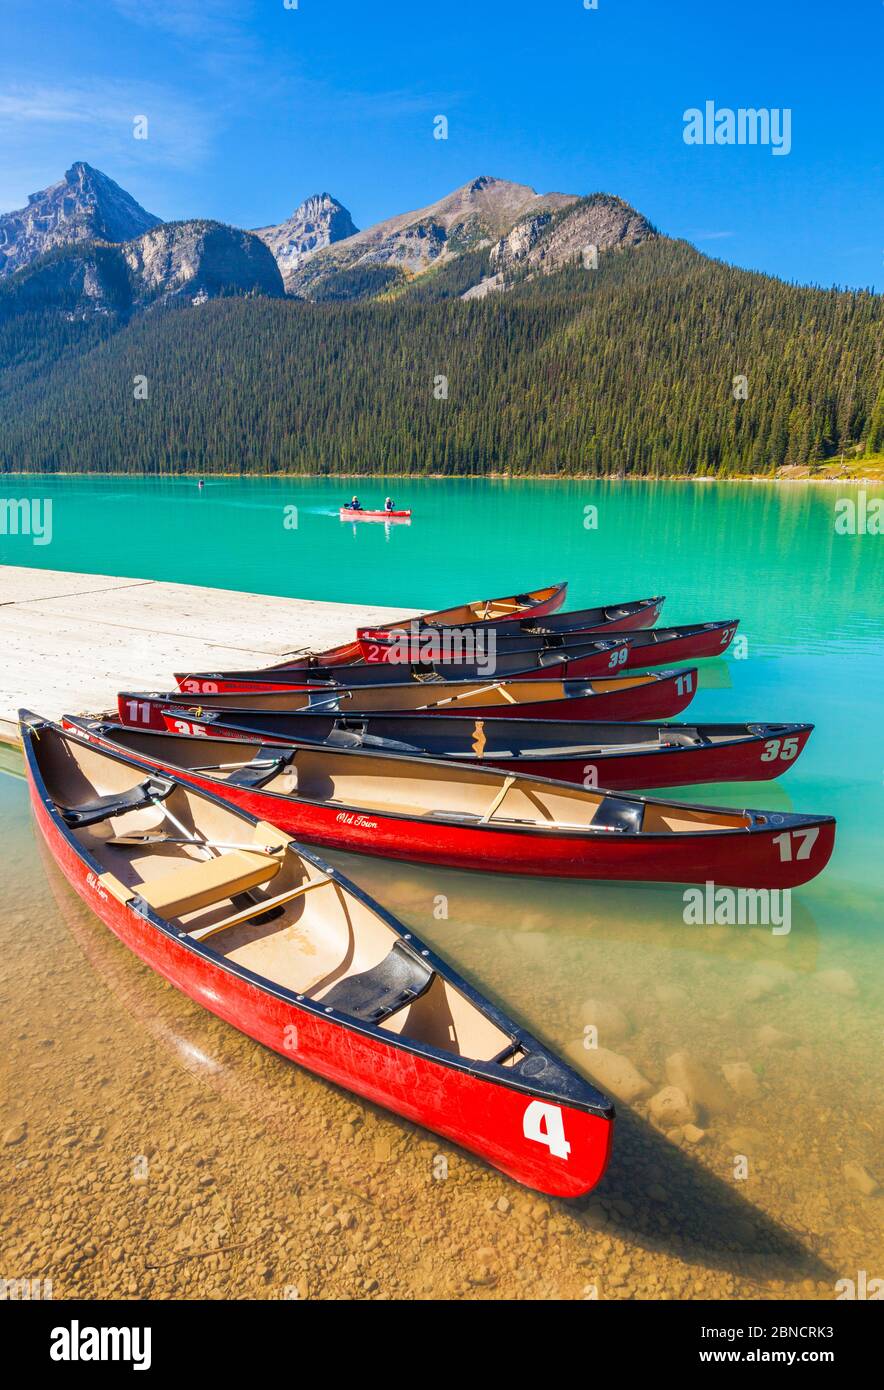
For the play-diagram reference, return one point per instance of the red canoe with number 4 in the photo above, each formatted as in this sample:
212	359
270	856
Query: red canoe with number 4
649	695
235	914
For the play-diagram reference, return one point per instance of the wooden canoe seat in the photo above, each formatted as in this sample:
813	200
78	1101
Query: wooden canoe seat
200	884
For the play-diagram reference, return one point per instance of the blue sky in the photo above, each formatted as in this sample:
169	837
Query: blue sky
253	106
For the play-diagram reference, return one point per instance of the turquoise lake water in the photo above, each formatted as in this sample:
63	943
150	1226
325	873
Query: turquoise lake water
811	604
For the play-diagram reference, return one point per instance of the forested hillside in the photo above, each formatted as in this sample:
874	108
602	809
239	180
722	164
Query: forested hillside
628	368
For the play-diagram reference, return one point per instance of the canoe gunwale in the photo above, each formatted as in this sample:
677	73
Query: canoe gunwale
489	1071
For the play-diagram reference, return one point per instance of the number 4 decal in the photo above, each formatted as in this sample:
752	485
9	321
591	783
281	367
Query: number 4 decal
805	838
544	1124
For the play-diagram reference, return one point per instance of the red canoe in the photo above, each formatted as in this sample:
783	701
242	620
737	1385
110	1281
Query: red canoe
471	817
650	647
620	757
350	514
613	617
592	658
279	944
536	602
649	695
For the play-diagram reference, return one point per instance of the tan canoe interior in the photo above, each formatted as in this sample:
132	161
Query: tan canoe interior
369	782
445	695
324	934
484	610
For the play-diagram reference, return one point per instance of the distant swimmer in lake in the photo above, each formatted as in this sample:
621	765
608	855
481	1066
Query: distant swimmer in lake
354	505
200	484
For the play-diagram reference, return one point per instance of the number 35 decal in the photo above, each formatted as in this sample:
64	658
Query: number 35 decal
544	1124
785	749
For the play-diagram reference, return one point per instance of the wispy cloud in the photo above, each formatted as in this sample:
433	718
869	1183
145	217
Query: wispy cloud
708	236
94	120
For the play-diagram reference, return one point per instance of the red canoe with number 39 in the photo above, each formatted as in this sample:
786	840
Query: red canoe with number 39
230	910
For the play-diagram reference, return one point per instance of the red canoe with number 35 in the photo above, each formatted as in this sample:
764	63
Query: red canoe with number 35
276	942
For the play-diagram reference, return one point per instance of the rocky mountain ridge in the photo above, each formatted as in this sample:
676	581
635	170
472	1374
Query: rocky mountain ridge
318	222
85	205
483	236
173	260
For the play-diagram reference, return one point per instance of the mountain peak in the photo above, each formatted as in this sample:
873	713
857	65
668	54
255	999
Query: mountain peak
317	222
85	205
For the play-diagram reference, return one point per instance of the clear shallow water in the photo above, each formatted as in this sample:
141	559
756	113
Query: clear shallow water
302	1187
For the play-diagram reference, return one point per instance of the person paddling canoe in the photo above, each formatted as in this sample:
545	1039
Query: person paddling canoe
354	505
388	505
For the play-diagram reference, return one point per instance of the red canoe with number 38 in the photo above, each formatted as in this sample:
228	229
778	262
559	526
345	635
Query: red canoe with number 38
230	910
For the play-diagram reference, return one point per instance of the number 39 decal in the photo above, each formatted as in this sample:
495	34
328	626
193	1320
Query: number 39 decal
544	1124
785	749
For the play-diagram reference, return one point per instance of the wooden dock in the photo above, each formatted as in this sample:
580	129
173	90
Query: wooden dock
69	642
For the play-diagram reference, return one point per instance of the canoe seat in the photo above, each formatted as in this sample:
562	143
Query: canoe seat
147	793
375	994
616	813
201	883
354	738
682	738
267	763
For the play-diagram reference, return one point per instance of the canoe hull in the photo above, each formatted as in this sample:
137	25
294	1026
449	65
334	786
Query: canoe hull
581	666
662	698
739	860
755	754
482	1116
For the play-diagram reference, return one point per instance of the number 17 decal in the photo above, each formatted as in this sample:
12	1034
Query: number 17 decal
805	840
544	1124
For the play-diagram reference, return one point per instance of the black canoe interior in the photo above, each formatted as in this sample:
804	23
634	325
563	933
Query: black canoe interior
477	739
376	783
588	617
323	943
365	699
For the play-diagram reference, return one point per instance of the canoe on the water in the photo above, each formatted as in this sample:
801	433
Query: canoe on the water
273	940
614	617
649	695
431	811
536	602
620	757
592	658
650	647
351	514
